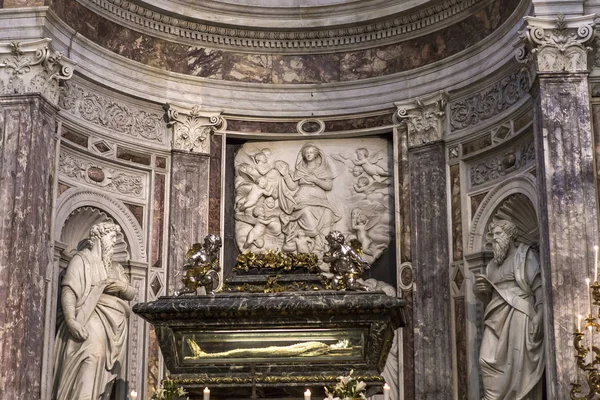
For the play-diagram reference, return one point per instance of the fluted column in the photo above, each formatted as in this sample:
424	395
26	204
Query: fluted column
190	182
30	73
556	49
425	121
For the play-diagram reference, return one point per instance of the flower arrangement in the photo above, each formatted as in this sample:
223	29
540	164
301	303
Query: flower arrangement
167	390
348	388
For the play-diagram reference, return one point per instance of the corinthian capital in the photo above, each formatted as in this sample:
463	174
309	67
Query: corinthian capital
192	127
557	44
425	118
33	67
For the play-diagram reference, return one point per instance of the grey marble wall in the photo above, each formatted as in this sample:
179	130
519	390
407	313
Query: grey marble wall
27	155
568	212
188	217
430	260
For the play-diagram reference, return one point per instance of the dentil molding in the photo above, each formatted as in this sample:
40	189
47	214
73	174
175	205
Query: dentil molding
192	127
33	67
195	31
558	44
425	118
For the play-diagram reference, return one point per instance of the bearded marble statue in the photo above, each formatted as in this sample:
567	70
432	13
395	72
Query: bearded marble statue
511	356
92	330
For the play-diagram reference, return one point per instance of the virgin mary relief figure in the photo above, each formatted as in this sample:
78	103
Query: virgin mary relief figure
290	195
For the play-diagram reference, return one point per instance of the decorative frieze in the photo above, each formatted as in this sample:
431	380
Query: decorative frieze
192	128
425	118
112	115
154	22
502	164
33	67
492	101
557	44
107	178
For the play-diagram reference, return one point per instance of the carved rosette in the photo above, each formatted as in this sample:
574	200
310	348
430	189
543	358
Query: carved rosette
33	67
192	128
425	118
557	44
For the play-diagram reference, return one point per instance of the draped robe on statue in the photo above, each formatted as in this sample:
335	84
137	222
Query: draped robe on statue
511	358
86	370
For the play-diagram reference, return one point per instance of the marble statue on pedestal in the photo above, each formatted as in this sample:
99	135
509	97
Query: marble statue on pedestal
511	357
92	330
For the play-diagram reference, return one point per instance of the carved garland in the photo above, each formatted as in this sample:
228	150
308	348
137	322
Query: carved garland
492	101
112	115
218	36
106	178
498	166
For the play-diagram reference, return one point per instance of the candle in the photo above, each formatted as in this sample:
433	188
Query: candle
579	318
587	280
596	263
591	345
578	309
133	395
307	394
386	392
206	394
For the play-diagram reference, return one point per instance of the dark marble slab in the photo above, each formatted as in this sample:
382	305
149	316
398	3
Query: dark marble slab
214	192
373	313
455	193
430	261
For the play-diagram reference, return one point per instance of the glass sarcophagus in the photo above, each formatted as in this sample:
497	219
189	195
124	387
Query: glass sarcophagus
274	345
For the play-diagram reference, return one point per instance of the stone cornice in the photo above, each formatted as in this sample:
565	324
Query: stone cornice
557	45
33	67
201	33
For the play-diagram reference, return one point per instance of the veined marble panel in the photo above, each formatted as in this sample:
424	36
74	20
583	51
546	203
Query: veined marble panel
290	194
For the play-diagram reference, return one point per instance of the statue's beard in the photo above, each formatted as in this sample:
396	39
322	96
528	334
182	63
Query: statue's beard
108	250
500	247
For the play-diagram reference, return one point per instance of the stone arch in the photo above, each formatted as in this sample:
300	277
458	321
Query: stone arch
515	199
79	198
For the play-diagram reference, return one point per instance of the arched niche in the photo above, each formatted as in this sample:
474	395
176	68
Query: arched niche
75	199
514	199
77	227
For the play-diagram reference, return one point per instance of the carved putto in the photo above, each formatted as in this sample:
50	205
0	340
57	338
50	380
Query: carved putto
202	266
345	264
290	195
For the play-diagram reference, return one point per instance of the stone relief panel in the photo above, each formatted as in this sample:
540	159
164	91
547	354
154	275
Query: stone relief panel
290	195
499	165
107	113
492	101
101	175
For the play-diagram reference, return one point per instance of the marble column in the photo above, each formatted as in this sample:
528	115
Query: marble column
190	183
425	120
29	82
556	49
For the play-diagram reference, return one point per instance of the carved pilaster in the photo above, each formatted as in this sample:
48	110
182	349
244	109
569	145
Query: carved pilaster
557	49
557	44
425	118
192	128
33	67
